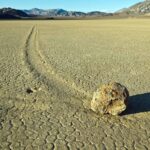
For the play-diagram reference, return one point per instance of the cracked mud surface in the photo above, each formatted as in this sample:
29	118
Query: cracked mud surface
49	71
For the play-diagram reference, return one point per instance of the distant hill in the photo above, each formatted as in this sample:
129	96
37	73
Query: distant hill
141	8
7	16
98	13
9	13
49	12
62	12
76	13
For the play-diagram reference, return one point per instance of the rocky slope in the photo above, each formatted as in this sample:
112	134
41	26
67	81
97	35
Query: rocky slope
9	13
137	9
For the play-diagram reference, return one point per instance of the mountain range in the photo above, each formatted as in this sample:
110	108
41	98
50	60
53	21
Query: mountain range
142	8
62	12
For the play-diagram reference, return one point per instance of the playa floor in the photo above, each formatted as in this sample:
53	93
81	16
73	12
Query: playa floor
49	71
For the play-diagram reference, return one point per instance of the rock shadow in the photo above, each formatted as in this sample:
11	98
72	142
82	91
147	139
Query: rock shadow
138	103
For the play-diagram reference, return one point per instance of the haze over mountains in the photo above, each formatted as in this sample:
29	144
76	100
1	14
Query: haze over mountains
142	8
61	12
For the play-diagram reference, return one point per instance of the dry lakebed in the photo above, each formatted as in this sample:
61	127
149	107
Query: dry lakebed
49	71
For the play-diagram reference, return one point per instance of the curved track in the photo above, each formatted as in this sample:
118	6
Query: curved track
43	71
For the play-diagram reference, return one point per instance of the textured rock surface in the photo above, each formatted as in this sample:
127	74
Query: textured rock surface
110	99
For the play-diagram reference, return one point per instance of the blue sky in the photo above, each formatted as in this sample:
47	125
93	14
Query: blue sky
79	5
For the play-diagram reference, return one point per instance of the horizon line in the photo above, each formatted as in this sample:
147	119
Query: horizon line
105	11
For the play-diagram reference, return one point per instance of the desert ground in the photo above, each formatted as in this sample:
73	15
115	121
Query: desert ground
49	71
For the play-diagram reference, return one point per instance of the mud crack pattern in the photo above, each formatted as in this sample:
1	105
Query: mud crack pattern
41	109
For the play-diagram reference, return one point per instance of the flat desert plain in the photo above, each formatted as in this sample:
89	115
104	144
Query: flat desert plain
49	71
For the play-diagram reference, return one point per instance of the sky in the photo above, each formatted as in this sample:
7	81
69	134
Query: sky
76	5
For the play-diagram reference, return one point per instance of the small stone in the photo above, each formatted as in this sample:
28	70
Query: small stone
111	98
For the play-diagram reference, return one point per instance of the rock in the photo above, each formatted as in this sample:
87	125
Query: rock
111	98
